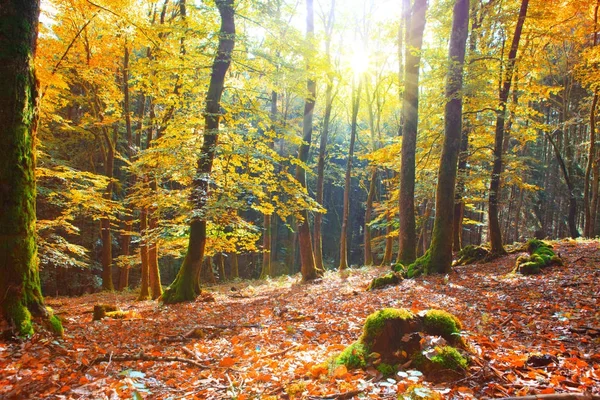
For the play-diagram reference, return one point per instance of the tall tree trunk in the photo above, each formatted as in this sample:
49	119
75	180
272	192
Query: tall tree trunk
441	245
323	143
21	296
184	288
587	193
494	232
348	176
235	269
267	220
410	115
571	219
368	216
145	281
307	258
155	284
105	233
127	218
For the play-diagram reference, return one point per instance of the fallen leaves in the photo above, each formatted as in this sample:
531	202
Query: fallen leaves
279	343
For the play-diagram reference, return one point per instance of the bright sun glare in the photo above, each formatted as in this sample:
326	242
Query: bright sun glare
360	60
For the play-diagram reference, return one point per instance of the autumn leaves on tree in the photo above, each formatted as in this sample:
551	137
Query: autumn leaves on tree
178	145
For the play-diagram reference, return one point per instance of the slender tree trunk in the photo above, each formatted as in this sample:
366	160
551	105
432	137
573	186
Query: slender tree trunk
184	288
127	218
105	233
307	258
572	198
267	220
235	269
145	281
347	180
410	114
587	193
369	216
323	144
494	232
21	296
155	284
441	246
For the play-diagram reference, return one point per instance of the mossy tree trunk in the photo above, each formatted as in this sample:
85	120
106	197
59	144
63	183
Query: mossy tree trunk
184	288
348	176
494	231
21	296
410	116
307	257
441	245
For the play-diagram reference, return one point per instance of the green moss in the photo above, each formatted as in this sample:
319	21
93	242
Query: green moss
376	321
56	325
541	256
419	267
391	278
472	254
399	267
442	323
448	357
386	369
418	392
353	356
21	317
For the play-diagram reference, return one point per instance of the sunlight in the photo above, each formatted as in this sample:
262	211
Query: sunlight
359	61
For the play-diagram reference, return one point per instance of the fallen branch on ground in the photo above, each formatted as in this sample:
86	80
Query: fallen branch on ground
339	396
554	396
144	357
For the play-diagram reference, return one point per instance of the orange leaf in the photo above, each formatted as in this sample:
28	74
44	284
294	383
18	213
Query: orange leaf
227	362
65	389
340	371
547	391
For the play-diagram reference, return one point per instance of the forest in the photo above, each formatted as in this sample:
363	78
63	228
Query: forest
311	199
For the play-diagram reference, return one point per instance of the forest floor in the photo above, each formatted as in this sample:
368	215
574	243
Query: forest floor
269	339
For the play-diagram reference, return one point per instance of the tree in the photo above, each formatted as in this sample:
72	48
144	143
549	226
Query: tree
347	178
410	116
307	258
19	276
185	286
441	245
495	233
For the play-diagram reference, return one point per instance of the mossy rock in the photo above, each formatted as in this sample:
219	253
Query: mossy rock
442	323
442	363
394	336
353	356
540	256
391	278
472	255
101	310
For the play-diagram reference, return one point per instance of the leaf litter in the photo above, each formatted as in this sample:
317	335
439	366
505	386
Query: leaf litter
536	334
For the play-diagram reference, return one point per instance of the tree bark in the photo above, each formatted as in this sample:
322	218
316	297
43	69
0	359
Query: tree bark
145	281
21	296
184	288
267	220
494	231
323	143
441	245
571	219
307	258
410	115
348	176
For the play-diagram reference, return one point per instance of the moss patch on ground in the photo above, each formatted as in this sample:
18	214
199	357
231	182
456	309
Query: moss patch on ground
472	255
540	256
391	278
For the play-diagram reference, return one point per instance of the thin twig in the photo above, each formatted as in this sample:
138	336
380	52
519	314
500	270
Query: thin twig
144	357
